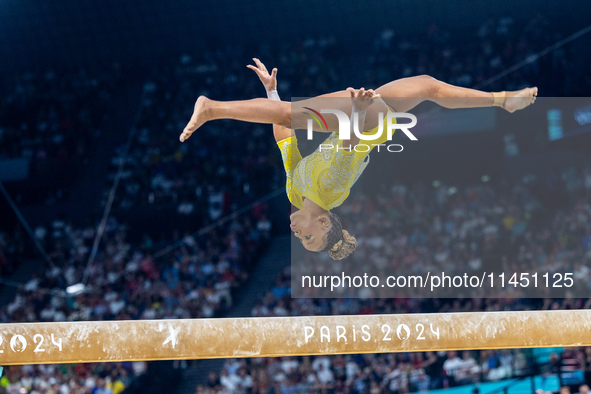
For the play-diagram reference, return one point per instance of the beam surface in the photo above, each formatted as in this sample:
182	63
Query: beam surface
109	341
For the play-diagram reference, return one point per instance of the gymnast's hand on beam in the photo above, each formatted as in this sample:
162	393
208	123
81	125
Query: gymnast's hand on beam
269	80
362	98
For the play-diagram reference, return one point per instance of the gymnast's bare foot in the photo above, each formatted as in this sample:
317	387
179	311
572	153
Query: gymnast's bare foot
197	119
514	101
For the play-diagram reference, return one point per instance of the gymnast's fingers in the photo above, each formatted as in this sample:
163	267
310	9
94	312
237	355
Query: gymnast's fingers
256	70
260	64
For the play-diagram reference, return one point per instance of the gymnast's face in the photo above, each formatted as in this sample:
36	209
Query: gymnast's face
309	228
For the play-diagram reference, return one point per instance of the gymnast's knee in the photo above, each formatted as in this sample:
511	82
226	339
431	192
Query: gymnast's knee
429	85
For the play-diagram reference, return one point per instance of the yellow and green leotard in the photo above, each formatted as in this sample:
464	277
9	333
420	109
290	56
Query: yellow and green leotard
326	175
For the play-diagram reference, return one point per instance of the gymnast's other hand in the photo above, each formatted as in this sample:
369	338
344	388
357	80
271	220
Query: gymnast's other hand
362	98
269	80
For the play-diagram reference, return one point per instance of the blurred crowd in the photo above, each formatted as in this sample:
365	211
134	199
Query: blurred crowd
223	167
111	378
196	279
435	227
52	118
12	250
471	58
410	229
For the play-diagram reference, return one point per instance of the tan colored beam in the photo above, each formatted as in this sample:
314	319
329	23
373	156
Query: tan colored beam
101	341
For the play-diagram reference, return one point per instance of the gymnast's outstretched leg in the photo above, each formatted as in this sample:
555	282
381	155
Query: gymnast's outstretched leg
401	95
282	113
404	94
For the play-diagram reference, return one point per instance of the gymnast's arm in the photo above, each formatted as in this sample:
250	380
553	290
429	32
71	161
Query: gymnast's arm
285	137
270	83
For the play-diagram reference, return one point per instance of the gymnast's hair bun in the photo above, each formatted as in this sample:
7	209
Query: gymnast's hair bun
344	247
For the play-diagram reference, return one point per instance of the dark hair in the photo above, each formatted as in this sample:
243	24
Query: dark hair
335	234
338	242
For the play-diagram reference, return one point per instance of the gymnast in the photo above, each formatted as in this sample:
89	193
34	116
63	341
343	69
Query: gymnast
321	181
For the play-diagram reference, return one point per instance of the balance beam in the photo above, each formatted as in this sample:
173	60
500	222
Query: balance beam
110	341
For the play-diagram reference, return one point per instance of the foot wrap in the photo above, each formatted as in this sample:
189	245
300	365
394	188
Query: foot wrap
499	99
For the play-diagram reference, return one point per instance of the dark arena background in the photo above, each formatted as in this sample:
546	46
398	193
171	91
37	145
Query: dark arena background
106	216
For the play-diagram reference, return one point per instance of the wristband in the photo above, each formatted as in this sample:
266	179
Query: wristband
273	95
